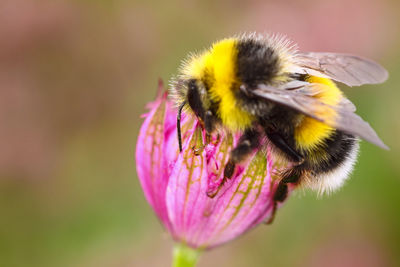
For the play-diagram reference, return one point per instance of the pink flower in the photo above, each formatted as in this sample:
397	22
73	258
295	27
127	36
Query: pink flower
187	191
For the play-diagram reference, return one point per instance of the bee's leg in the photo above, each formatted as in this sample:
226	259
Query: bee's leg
280	143
292	176
209	124
247	143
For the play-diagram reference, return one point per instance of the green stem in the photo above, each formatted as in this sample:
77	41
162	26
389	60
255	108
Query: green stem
184	256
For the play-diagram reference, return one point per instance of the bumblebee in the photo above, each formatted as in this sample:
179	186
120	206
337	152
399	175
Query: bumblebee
265	89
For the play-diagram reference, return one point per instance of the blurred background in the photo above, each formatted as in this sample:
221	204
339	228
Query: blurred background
74	80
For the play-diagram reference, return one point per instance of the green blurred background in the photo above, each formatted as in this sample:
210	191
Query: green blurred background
74	79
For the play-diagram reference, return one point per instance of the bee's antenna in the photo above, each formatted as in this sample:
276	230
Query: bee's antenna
178	125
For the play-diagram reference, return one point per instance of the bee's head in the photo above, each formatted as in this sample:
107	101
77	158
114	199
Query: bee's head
192	93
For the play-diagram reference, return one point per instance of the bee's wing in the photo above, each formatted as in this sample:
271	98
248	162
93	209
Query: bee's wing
348	69
347	105
341	117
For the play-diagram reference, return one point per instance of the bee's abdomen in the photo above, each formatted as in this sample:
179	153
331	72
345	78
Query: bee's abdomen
330	155
334	163
256	62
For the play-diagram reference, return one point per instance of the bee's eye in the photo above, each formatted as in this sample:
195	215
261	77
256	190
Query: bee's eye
194	99
192	84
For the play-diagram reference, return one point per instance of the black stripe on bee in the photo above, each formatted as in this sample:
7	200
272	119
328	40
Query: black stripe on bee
337	148
256	62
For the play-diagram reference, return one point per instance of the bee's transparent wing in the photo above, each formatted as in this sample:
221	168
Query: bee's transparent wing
341	117
347	105
348	69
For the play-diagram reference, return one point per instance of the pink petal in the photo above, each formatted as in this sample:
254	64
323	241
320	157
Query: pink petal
150	155
178	185
242	202
187	182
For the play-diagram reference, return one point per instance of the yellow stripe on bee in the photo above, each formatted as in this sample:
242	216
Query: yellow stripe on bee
310	133
220	64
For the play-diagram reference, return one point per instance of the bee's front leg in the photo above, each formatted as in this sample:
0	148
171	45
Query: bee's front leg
209	124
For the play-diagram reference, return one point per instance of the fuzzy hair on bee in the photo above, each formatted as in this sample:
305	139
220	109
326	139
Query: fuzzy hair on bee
278	50
262	87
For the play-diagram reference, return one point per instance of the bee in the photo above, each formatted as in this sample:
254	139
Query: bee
262	87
